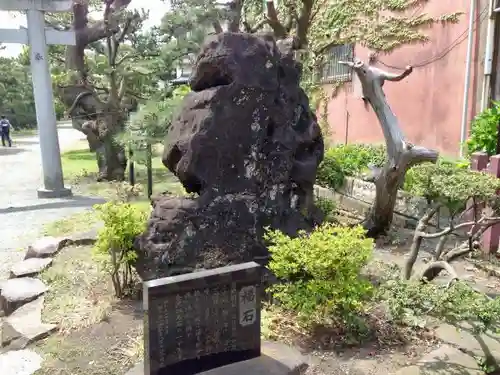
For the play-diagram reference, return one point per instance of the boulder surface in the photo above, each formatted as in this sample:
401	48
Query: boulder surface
247	145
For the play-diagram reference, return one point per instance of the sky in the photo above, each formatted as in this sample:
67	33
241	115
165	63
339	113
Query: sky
8	20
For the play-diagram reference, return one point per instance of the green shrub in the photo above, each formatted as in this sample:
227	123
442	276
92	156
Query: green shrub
484	128
330	172
355	158
450	184
321	273
151	123
328	207
411	302
348	160
114	248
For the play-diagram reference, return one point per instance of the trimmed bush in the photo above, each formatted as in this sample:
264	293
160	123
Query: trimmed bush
321	273
348	160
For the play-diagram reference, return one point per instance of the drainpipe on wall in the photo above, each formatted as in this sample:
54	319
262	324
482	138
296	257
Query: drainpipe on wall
470	39
488	57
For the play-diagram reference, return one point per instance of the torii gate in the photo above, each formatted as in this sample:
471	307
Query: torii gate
37	36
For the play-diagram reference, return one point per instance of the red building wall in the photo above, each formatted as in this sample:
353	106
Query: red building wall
428	103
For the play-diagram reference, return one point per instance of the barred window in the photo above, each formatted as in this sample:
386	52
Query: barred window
333	71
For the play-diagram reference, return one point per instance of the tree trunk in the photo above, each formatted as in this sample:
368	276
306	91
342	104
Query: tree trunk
401	155
386	190
88	113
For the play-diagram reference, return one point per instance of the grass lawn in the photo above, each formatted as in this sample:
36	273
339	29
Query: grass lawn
98	334
80	168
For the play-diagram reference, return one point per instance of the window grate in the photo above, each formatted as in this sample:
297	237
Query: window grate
333	71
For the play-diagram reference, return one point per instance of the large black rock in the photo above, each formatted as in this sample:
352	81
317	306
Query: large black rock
248	145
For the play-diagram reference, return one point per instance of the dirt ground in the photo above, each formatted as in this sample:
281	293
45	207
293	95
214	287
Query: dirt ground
98	335
371	358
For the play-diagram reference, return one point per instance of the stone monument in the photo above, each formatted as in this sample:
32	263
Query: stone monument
247	145
208	323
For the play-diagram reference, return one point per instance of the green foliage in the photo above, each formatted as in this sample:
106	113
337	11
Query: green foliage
348	160
321	273
447	182
411	302
344	21
484	130
123	222
450	184
184	28
330	173
150	124
328	207
16	93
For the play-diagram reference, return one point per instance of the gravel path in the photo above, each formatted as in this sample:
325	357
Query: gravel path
22	214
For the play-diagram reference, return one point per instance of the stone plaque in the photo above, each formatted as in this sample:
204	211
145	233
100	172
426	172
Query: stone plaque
203	320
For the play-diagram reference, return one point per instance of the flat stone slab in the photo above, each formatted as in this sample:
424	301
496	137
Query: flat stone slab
44	247
464	339
83	238
276	359
445	360
20	362
19	291
30	267
25	326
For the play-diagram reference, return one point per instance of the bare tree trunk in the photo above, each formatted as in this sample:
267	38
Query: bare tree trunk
401	154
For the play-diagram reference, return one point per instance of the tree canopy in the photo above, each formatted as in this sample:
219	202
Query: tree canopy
16	93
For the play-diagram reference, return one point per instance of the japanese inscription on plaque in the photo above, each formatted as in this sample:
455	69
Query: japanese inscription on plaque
202	320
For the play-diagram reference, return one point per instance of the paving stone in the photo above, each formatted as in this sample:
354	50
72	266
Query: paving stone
445	360
30	267
19	291
465	340
25	326
20	362
44	247
276	359
22	213
84	238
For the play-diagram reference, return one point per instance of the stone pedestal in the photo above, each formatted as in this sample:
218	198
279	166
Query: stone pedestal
276	359
64	192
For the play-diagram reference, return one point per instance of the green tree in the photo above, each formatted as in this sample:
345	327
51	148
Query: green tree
314	25
105	75
16	93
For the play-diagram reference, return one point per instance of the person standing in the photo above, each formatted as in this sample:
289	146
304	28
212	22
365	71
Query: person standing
5	127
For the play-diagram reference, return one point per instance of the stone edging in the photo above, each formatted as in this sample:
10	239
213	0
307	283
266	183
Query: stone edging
358	195
22	298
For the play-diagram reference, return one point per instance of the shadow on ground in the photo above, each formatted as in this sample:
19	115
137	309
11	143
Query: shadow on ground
25	141
75	201
11	150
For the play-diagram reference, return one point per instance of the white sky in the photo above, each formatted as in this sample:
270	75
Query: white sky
157	9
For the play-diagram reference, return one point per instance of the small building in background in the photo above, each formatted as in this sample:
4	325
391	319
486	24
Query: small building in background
429	104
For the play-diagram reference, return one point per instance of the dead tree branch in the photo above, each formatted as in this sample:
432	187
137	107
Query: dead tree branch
442	258
401	154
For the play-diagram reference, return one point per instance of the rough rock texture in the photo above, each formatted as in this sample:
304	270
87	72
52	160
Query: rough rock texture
30	267
25	326
17	292
44	247
20	362
248	145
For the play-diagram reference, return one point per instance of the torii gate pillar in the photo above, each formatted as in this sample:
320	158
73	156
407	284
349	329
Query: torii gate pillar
37	37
